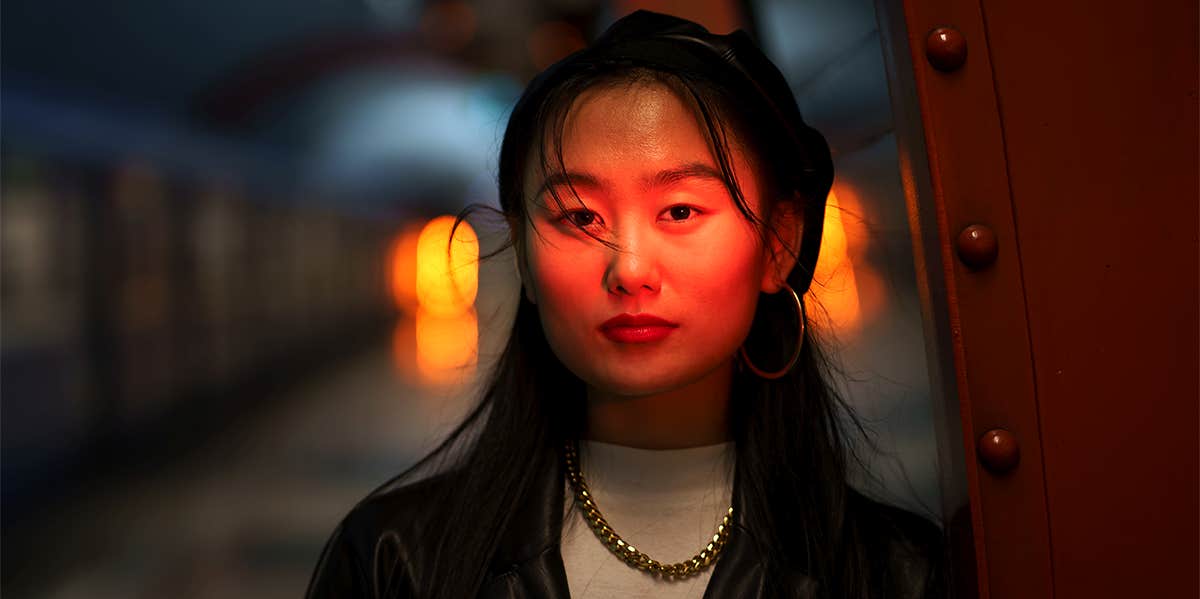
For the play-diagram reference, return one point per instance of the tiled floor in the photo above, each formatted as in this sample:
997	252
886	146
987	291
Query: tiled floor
247	515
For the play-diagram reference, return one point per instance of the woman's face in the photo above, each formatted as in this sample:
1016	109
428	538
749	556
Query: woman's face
637	158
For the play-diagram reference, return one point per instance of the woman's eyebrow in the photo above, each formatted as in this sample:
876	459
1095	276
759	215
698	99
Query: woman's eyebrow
692	170
569	179
663	178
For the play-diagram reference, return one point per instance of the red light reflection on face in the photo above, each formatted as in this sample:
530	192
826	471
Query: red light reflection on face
646	181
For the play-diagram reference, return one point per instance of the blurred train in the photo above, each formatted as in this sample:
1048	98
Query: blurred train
144	293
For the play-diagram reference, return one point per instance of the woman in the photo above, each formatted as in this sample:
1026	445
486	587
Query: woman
660	388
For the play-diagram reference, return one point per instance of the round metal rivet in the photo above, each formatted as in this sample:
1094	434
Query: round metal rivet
946	49
977	246
999	451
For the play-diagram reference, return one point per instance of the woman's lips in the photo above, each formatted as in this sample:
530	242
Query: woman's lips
637	328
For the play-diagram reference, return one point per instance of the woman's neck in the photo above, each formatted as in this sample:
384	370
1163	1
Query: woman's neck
690	416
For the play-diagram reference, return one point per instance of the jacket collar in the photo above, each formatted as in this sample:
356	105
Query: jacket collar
528	561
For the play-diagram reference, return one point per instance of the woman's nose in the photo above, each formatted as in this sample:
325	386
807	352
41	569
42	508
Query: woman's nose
633	269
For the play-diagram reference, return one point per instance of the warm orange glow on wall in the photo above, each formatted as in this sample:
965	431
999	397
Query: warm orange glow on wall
447	273
834	283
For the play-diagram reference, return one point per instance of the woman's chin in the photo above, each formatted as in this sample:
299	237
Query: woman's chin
631	390
645	381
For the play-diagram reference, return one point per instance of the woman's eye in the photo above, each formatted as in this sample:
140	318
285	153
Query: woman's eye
681	213
580	218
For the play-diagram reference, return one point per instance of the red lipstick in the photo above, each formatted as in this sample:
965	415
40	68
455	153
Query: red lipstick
637	328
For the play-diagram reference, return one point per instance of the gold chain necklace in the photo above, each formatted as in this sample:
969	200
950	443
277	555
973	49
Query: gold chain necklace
627	552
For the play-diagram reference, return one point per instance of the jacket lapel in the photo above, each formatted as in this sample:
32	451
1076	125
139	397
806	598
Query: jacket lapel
741	570
528	563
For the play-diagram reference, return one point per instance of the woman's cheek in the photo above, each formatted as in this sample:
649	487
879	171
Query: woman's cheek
726	259
565	269
564	289
730	280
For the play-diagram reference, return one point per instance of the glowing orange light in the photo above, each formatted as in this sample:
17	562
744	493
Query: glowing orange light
834	282
447	273
402	269
447	346
435	281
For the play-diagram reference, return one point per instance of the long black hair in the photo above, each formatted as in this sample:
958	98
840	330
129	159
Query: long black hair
792	448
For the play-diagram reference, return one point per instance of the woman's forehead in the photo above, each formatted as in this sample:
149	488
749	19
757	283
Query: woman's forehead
641	118
630	130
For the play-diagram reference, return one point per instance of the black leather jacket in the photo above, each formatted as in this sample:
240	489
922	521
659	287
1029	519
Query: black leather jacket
373	553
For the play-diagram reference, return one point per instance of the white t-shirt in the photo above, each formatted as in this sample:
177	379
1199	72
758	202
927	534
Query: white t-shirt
666	503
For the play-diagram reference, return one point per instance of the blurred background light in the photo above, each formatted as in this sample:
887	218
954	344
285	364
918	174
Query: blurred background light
447	346
402	275
435	281
395	12
447	269
449	25
834	284
551	41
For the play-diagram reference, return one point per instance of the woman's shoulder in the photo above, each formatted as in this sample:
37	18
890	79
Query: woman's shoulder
892	525
374	548
906	549
399	505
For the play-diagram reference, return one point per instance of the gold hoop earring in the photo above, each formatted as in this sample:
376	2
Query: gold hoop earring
799	343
